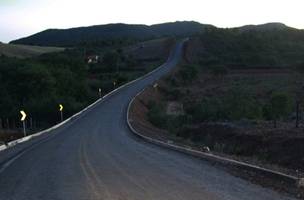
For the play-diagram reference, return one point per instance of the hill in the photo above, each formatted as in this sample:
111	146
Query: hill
81	35
265	45
25	51
264	27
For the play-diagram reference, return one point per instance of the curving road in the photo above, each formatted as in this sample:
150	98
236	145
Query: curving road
96	157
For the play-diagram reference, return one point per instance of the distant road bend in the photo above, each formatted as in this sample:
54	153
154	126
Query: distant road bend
96	157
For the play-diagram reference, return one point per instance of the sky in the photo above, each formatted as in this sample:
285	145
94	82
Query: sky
20	18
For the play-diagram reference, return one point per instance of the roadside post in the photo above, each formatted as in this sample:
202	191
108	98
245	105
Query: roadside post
114	84
99	91
31	123
23	116
61	111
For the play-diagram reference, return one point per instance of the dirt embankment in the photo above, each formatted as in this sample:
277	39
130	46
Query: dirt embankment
138	115
272	151
277	148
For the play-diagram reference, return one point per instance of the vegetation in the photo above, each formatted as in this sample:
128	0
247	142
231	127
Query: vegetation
25	51
39	84
279	107
218	71
242	94
156	114
238	48
268	49
188	73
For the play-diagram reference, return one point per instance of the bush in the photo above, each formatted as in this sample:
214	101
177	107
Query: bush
188	73
234	105
279	106
121	79
156	115
208	109
110	60
218	71
177	123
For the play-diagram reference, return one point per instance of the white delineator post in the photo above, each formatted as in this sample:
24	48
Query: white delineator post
24	132
99	91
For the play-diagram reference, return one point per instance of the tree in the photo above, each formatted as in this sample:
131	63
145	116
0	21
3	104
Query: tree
188	73
111	59
299	90
279	106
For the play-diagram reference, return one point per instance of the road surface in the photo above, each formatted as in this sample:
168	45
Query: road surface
96	157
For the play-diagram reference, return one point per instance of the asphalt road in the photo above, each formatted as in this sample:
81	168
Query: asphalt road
96	157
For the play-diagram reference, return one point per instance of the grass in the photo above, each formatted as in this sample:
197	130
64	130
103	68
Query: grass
25	51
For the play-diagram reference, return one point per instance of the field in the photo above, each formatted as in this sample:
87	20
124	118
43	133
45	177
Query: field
25	51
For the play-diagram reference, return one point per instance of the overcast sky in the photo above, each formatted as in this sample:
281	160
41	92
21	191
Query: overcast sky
19	18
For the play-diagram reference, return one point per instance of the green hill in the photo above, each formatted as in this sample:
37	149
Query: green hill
250	46
91	34
265	27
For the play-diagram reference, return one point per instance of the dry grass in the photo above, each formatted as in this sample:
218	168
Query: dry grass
25	51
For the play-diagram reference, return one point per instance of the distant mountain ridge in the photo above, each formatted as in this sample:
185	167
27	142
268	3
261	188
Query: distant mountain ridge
75	36
265	27
97	33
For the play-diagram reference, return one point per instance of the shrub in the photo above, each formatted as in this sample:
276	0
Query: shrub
156	115
234	105
280	106
218	71
188	73
110	60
